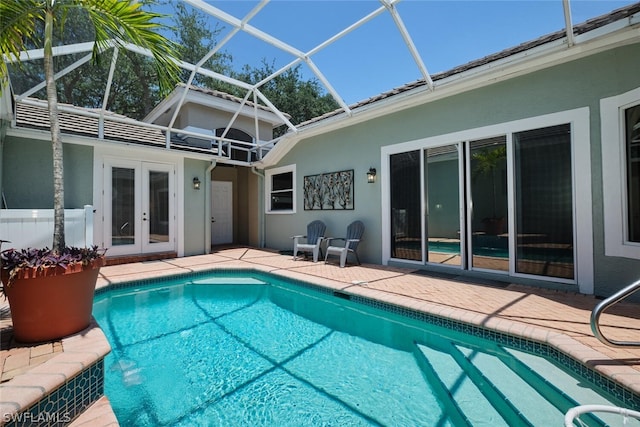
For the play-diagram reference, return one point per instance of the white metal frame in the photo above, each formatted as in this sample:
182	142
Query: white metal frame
243	25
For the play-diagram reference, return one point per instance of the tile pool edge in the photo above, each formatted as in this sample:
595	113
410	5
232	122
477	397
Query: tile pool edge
563	349
50	390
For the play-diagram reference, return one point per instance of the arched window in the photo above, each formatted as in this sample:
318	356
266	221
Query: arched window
239	150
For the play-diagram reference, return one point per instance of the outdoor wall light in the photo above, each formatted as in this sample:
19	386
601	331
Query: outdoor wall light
196	183
371	175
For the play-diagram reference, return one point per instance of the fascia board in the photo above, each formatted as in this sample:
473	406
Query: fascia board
209	101
231	107
551	54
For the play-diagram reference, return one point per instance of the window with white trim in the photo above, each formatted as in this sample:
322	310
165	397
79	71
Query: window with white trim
620	120
632	142
280	190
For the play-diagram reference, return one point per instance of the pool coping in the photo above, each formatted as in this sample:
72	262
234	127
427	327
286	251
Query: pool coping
81	352
572	354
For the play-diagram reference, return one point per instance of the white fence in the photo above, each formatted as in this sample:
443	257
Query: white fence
33	228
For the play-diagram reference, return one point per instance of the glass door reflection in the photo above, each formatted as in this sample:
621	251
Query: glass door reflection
488	193
123	206
442	188
158	207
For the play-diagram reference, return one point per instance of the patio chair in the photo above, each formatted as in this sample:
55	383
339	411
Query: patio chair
351	242
314	236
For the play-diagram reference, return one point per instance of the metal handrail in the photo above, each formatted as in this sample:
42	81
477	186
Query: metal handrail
574	413
608	302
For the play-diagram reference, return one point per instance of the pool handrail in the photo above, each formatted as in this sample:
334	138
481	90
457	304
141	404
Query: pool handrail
606	303
575	412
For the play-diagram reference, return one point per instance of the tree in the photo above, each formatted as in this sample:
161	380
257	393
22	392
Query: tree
134	88
119	21
195	39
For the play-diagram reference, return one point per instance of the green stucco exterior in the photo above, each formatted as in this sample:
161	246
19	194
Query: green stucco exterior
572	85
194	207
27	171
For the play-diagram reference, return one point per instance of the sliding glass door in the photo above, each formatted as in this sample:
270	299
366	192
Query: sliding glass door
406	211
544	202
502	204
443	197
487	172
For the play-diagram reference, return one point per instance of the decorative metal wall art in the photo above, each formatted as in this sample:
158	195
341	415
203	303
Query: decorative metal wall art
329	191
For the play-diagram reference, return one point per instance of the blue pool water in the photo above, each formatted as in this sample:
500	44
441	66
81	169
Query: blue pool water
258	351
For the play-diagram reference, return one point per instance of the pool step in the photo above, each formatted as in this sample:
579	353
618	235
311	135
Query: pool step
229	281
452	387
493	385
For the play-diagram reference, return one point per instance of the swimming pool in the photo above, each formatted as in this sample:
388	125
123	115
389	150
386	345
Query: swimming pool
260	350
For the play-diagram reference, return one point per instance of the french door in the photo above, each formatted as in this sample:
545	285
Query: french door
500	204
139	201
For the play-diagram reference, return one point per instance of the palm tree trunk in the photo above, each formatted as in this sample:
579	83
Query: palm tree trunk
56	142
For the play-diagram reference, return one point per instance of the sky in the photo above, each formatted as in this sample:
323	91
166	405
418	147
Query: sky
374	58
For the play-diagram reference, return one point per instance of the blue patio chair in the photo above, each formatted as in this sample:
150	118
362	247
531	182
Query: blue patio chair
355	230
314	236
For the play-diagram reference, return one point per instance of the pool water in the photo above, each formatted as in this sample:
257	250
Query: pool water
216	351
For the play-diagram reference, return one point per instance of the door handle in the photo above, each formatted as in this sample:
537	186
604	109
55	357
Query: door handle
213	219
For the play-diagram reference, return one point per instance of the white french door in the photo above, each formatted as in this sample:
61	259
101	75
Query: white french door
139	202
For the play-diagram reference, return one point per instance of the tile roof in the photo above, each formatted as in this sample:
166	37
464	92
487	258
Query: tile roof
36	117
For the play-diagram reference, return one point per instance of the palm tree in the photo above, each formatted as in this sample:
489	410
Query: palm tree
115	22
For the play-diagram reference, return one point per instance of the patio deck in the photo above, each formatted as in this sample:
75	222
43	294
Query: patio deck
556	317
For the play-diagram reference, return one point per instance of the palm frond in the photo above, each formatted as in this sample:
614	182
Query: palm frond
18	20
123	21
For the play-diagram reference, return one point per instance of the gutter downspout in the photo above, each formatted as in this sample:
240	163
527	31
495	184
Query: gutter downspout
261	228
207	206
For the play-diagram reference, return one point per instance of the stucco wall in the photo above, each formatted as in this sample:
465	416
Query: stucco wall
194	207
27	174
581	83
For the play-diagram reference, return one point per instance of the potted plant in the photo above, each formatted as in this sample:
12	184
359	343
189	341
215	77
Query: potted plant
32	22
50	293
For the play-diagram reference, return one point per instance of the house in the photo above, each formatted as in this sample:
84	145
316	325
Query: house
150	188
519	167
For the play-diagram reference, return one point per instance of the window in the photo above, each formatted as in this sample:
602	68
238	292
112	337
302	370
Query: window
632	142
280	190
620	118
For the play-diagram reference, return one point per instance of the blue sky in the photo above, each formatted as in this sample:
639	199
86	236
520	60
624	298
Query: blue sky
374	58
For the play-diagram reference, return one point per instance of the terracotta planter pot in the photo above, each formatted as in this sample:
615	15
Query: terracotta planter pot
52	303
